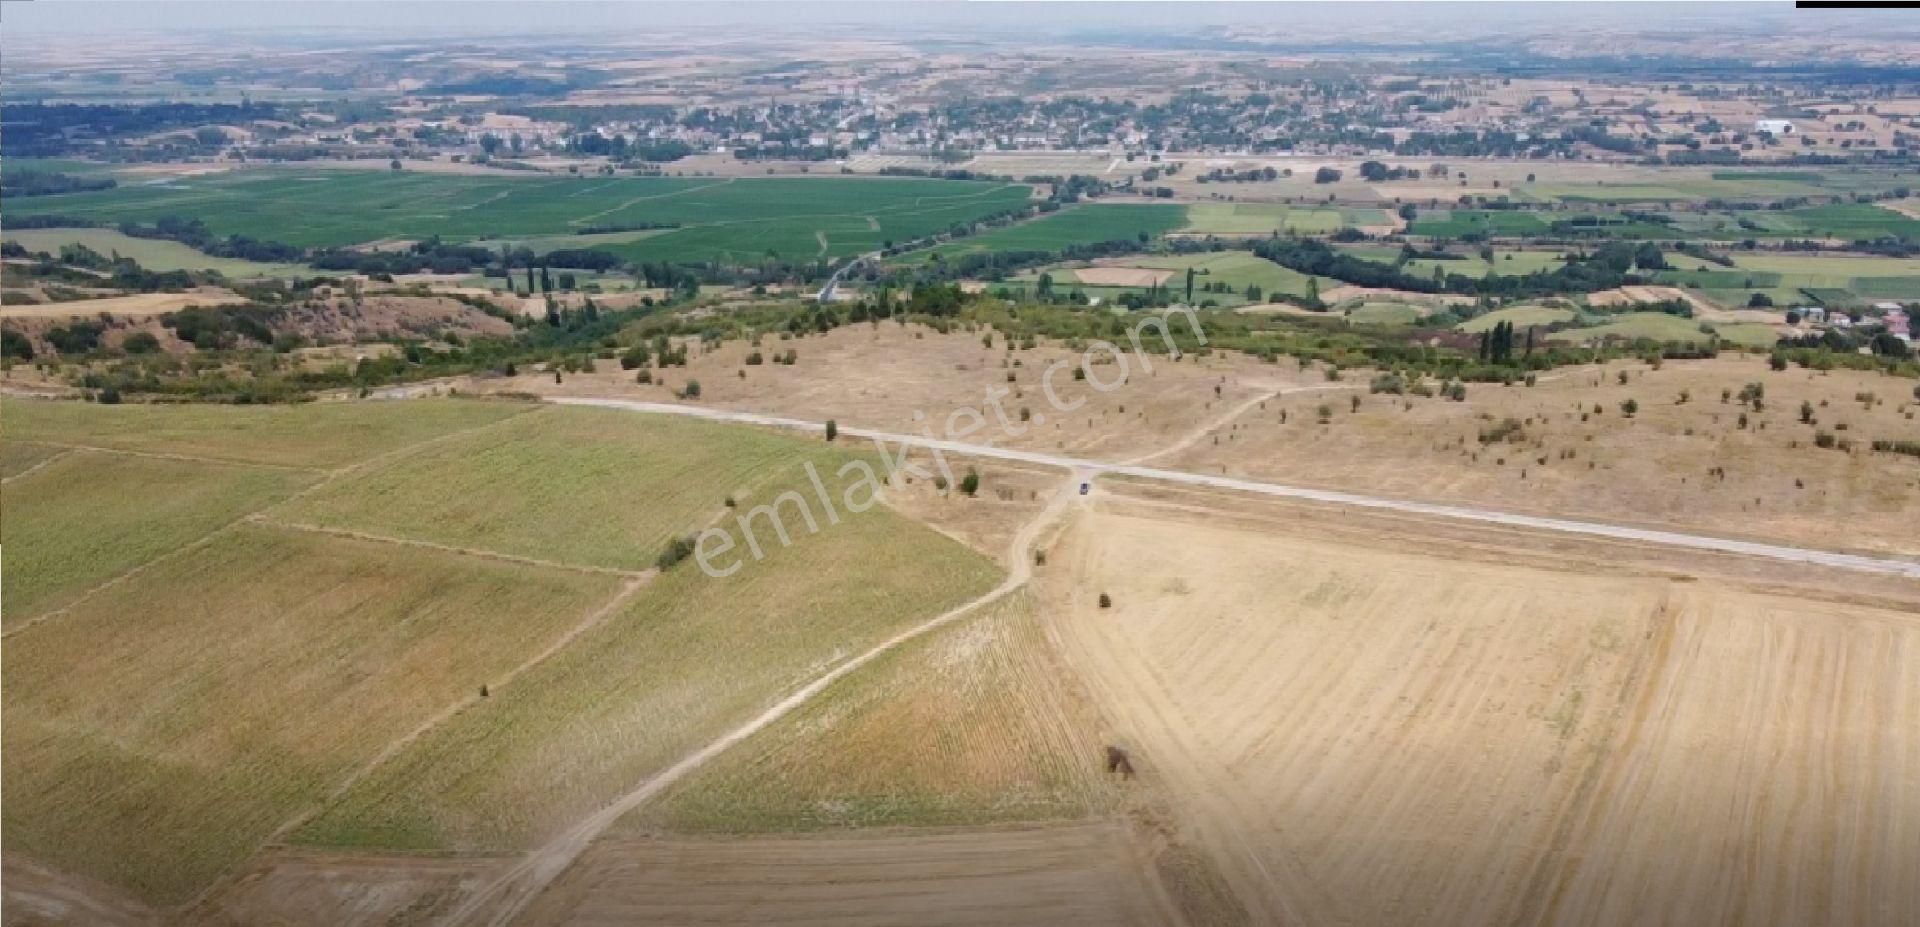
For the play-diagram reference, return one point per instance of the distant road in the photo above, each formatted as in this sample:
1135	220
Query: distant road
1825	558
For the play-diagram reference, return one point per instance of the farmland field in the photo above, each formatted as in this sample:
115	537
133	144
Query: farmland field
320	434
1531	746
1087	224
967	727
150	253
1653	326
689	658
69	527
1520	316
1262	219
568	484
160	731
1497	223
1237	269
718	217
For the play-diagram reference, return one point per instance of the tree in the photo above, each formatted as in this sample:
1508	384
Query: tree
1408	212
1763	301
394	164
833	429
1326	175
1189	284
970	483
1629	407
691	391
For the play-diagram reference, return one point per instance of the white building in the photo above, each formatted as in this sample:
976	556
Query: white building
1774	127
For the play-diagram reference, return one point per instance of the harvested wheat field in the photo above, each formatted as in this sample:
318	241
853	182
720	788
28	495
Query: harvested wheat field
1364	736
1057	875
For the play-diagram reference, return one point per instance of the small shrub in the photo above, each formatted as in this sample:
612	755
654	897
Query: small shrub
676	550
1106	601
970	483
833	429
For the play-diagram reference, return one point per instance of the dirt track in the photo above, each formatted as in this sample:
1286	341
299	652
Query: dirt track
1595	529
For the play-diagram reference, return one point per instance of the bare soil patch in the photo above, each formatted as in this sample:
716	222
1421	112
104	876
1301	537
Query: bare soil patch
1122	276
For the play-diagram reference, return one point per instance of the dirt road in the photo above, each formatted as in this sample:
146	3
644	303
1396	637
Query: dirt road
501	900
1827	558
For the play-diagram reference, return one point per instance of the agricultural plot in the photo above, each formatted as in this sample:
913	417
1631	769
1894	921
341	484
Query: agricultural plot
1077	875
971	726
717	218
160	731
1522	317
150	253
577	485
1492	223
1074	225
1325	738
1236	269
1383	313
1636	326
90	516
317	434
691	657
18	457
1530	746
1264	219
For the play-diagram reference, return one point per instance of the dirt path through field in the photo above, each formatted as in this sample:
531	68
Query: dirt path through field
501	900
1828	558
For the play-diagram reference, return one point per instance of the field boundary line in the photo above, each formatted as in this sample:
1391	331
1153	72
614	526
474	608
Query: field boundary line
476	552
520	884
189	458
64	451
326	477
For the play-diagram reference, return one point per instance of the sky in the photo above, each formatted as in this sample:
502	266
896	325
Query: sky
427	18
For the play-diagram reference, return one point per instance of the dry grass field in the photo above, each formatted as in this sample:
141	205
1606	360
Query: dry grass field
881	376
1366	735
1573	452
160	731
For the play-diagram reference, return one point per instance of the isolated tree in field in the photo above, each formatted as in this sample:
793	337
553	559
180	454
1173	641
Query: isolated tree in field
970	483
833	429
1105	601
1806	412
1189	284
691	390
1629	407
394	164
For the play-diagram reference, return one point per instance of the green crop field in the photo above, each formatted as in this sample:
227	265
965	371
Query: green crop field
718	218
1262	219
1521	316
161	731
91	515
1073	225
573	484
1237	269
1383	313
1634	326
1497	223
1005	749
151	253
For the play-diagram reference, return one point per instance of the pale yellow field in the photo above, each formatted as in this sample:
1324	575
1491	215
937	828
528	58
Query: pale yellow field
1359	736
